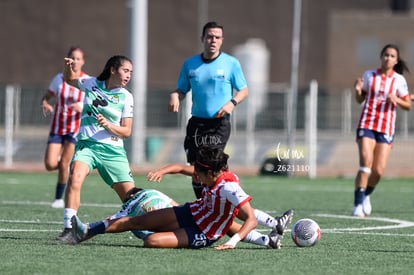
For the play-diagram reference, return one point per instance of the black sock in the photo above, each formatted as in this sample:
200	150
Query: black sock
369	190
96	228
359	195
197	189
60	189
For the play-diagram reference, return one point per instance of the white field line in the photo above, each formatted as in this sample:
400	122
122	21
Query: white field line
395	223
48	204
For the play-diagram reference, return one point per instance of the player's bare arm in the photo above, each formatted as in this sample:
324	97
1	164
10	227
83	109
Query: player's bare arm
176	168
69	74
359	94
249	224
124	130
404	103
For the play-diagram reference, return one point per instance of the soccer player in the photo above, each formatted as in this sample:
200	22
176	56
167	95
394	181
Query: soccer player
142	201
106	122
277	223
211	76
196	224
381	91
65	122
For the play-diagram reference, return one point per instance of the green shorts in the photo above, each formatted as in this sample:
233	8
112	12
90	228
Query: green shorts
110	161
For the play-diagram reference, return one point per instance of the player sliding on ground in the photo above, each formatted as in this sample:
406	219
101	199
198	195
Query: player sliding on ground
197	224
277	223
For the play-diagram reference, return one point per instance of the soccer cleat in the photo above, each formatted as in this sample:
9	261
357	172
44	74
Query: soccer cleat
58	203
283	221
357	211
79	230
65	236
366	206
275	240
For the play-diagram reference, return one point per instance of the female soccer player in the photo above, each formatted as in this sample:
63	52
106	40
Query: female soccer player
196	224
106	121
64	124
382	91
142	201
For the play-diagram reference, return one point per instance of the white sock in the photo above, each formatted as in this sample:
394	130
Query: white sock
67	215
255	237
265	219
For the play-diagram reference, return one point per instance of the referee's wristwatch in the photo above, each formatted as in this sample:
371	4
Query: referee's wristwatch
234	101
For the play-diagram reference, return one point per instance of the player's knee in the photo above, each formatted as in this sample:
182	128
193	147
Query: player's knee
50	165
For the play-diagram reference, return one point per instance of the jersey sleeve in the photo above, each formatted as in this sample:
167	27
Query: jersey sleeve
402	88
235	194
239	81
365	80
83	82
183	83
128	110
54	84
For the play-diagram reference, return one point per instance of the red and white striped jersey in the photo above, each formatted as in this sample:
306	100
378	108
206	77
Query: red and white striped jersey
65	119
378	114
215	211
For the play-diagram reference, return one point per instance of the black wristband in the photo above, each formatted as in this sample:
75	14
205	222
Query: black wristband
233	101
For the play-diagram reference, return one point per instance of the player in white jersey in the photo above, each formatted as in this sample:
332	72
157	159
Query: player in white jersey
106	121
65	122
381	91
193	225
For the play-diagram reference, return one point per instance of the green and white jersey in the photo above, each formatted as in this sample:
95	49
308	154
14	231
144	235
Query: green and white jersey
113	104
142	202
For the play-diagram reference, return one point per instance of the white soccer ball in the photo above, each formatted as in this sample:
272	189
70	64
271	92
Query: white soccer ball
306	232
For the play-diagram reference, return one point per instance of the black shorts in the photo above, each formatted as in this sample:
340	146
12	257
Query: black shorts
196	237
213	132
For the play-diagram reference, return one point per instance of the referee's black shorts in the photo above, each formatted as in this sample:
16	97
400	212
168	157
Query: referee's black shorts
212	132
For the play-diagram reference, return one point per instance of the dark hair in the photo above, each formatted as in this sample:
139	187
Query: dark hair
211	25
115	62
401	66
211	159
74	48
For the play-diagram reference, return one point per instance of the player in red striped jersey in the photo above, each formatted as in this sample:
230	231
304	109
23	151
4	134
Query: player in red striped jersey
380	91
65	122
195	224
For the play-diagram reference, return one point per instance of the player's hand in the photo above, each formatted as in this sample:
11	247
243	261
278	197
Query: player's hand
47	108
174	104
393	99
154	176
224	247
102	121
358	85
69	63
77	106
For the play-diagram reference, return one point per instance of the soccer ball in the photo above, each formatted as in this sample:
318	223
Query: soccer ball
306	232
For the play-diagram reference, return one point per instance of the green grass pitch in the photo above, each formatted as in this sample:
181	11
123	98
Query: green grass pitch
380	244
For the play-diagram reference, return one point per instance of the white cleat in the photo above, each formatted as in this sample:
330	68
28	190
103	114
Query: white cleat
357	211
58	204
366	206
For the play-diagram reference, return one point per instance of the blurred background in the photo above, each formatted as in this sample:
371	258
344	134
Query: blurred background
300	59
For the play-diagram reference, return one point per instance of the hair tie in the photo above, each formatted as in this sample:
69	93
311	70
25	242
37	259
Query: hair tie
203	165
